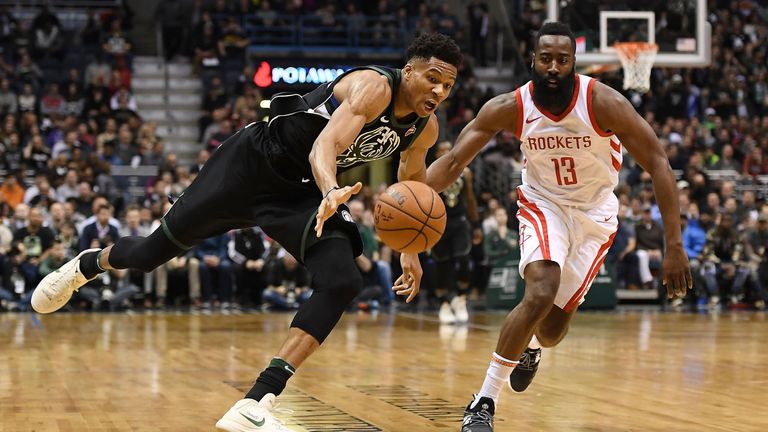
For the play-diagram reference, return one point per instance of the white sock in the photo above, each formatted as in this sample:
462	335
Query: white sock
534	343
496	378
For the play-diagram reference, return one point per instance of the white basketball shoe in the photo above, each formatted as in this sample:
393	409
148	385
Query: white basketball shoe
446	315
247	415
459	306
55	290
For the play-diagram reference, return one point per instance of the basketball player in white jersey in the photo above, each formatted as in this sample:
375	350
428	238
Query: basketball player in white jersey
571	129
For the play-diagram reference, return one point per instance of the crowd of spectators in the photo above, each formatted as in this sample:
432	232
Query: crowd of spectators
69	117
62	133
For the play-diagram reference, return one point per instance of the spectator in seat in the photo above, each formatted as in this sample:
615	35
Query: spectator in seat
97	102
100	233
8	103
724	263
287	281
69	189
55	259
125	148
97	73
755	163
202	158
47	38
74	103
233	41
17	283
45	195
19	219
247	250
123	99
186	266
650	244
37	240
92	203
11	192
116	43
28	72
13	156
206	48
27	100
56	217
215	271
727	161
622	253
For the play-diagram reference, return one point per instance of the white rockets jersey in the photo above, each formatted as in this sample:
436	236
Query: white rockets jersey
567	158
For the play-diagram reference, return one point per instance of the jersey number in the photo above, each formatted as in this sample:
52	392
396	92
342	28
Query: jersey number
565	170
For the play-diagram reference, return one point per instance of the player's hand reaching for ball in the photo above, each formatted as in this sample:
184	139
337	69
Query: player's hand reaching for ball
333	199
408	283
677	272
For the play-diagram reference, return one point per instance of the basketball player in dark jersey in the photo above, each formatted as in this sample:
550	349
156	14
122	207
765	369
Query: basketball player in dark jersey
281	176
451	253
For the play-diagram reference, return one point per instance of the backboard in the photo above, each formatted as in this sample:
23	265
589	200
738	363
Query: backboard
679	27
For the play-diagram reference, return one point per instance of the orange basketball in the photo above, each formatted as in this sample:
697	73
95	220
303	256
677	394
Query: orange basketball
409	217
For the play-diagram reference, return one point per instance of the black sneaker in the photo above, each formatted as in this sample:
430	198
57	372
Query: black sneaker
479	418
523	373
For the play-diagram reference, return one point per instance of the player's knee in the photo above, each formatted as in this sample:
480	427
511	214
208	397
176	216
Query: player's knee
538	300
550	336
540	295
345	286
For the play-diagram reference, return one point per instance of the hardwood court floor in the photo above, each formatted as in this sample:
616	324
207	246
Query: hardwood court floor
628	371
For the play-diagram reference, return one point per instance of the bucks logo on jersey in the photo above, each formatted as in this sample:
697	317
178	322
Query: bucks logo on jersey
371	145
452	194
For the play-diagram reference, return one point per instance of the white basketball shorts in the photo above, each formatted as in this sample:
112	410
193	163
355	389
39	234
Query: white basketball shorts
576	239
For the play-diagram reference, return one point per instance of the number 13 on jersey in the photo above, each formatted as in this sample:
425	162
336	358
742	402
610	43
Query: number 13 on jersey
565	170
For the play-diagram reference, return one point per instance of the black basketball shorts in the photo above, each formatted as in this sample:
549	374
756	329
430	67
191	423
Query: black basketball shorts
239	188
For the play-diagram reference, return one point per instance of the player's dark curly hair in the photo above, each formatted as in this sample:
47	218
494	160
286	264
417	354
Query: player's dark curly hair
556	28
436	45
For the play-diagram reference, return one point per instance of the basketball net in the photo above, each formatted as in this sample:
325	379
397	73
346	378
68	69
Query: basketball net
637	60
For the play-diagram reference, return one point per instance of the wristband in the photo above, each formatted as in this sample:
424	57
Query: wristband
331	190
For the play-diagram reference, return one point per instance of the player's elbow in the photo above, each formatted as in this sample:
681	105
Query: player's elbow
315	154
659	165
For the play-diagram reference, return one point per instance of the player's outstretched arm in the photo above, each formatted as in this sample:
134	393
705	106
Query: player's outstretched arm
413	167
363	96
613	112
500	113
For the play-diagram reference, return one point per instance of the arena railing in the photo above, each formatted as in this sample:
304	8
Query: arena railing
56	4
381	34
73	15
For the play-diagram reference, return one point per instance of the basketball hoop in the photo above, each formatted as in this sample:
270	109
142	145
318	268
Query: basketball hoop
637	60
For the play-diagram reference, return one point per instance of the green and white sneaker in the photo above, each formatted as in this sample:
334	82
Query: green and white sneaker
247	415
55	290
